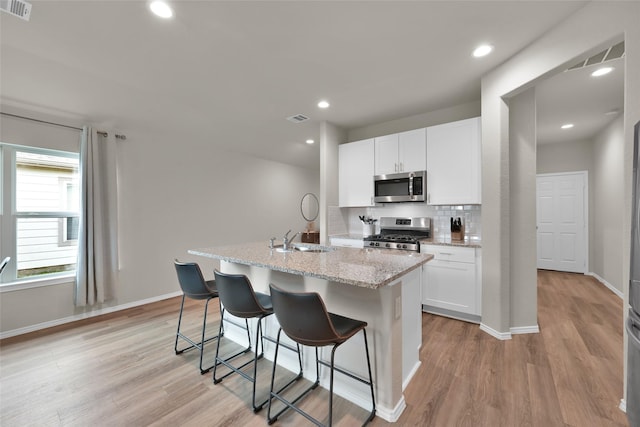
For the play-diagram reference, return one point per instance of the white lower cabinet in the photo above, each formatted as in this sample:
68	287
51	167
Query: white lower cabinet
452	283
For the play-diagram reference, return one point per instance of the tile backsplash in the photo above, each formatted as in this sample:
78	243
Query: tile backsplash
346	221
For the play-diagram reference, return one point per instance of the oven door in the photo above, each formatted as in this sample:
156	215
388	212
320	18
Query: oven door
400	187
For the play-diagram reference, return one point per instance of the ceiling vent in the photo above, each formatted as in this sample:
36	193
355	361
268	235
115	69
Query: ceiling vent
18	8
298	118
614	52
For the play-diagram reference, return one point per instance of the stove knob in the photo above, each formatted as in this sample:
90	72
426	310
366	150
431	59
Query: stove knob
388	245
377	243
404	246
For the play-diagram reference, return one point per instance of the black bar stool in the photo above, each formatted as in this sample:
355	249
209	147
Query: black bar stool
238	298
194	286
305	319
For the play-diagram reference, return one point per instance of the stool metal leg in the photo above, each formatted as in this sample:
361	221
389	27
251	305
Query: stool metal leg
373	399
333	368
276	394
219	361
198	345
258	354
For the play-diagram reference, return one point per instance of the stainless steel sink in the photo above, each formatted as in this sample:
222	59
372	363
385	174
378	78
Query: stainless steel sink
304	248
313	248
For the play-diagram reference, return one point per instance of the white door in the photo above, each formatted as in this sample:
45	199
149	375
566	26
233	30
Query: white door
562	221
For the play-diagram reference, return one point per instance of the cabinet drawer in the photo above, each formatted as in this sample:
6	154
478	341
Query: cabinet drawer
450	253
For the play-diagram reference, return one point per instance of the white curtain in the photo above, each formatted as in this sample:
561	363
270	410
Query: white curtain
97	267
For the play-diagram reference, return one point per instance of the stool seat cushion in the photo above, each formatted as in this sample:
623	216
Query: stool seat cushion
265	301
345	326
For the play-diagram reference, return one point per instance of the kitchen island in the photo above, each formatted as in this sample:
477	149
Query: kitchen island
378	286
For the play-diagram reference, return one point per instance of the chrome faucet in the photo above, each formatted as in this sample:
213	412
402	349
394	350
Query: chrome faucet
286	240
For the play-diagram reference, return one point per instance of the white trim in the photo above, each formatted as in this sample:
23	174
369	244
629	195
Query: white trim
391	415
20	285
494	333
623	405
86	315
535	329
607	284
407	380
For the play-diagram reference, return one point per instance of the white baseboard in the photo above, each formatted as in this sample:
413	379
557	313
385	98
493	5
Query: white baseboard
535	329
494	333
623	405
87	315
391	415
607	284
407	380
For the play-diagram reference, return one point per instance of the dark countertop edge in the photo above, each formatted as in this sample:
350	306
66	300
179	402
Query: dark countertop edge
314	275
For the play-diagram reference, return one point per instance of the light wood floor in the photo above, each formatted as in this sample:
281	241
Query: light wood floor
120	370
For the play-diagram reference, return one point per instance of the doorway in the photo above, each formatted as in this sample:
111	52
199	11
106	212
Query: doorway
562	218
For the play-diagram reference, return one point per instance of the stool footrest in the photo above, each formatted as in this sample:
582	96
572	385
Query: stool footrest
291	405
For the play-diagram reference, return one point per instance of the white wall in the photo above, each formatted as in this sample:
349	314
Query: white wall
522	210
431	118
609	193
570	156
176	192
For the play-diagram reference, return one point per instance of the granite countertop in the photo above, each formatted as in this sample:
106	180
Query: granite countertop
369	268
467	242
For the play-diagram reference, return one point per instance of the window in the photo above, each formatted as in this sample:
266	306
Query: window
40	215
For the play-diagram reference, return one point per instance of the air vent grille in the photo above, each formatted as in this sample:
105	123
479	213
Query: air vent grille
613	52
298	118
18	8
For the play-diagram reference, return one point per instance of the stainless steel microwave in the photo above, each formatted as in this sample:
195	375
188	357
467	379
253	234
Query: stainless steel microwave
400	187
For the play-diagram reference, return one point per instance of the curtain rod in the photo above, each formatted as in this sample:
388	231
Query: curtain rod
103	133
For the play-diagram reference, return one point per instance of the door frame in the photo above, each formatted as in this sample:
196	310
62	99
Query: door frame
585	210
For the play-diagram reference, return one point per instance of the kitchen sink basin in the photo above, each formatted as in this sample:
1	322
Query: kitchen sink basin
304	248
313	248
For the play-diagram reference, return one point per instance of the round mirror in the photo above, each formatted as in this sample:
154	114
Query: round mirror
309	207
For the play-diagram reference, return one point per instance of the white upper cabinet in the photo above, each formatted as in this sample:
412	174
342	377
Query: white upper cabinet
355	173
453	163
386	157
401	152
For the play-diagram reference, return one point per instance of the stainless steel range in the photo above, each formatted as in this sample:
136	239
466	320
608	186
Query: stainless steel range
400	233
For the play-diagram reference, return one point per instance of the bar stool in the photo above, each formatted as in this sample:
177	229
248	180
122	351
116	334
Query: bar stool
238	298
305	319
194	286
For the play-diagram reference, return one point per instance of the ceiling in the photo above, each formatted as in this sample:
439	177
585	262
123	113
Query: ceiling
229	73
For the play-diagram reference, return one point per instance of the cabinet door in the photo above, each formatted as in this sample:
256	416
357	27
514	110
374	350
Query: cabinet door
355	173
451	285
453	163
412	150
386	156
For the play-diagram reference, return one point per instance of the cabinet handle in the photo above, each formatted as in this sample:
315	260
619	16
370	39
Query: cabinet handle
401	167
428	197
395	167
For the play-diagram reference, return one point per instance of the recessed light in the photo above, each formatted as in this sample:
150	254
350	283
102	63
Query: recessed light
602	71
482	50
309	141
161	9
323	104
567	126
